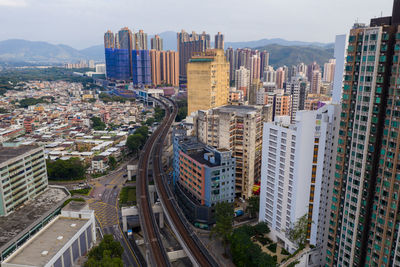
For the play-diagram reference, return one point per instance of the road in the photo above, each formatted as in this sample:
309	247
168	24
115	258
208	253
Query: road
104	201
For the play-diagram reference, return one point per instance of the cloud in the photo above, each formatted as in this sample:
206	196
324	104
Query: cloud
13	3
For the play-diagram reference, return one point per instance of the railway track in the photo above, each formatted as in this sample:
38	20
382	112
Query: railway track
154	149
192	243
148	222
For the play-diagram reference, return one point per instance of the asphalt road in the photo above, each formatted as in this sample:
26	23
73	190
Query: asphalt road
104	201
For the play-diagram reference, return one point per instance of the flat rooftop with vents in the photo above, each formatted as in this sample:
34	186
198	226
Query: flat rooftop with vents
61	242
31	215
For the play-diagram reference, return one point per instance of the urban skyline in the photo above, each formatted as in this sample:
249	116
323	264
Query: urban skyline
289	164
264	20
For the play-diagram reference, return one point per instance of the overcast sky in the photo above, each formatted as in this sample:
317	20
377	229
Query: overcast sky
82	23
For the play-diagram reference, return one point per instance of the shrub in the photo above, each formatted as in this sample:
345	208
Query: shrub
272	247
293	264
284	252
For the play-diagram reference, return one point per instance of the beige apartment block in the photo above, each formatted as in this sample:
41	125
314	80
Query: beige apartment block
207	80
238	128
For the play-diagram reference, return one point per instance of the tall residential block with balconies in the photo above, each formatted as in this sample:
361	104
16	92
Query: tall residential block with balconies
364	217
22	175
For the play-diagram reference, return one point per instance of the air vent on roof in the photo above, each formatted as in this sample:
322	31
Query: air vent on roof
60	237
73	225
44	253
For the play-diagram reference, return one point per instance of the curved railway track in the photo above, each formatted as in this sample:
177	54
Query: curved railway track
158	255
197	250
154	148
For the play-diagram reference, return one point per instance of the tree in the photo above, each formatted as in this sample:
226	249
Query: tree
298	233
261	228
254	206
182	110
158	114
70	169
150	121
112	162
107	253
137	140
97	124
245	252
223	226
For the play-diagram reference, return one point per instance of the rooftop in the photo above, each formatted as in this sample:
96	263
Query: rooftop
199	157
7	153
20	220
42	248
238	109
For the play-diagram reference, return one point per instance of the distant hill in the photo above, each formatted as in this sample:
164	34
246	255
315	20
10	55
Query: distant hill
292	55
28	51
16	50
277	41
282	52
95	52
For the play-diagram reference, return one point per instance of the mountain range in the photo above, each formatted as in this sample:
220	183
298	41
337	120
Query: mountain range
283	52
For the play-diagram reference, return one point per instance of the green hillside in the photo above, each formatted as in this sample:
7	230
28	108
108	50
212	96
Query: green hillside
293	55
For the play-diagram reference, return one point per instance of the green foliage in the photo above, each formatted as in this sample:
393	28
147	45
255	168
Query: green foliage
70	169
83	191
272	247
108	98
99	174
107	253
284	251
182	110
254	206
149	121
292	55
112	162
98	124
223	226
301	247
159	114
298	233
261	228
24	103
137	140
245	252
127	196
50	74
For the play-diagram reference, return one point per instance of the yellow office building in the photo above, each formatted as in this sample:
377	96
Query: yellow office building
207	80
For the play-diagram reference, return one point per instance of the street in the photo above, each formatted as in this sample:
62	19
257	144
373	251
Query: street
103	199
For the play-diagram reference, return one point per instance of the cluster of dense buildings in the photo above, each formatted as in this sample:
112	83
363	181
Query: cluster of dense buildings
129	59
338	164
323	142
228	118
81	65
62	122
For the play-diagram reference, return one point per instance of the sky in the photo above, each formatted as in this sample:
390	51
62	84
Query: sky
82	23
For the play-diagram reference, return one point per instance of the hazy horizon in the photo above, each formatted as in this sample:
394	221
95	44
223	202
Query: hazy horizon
81	24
